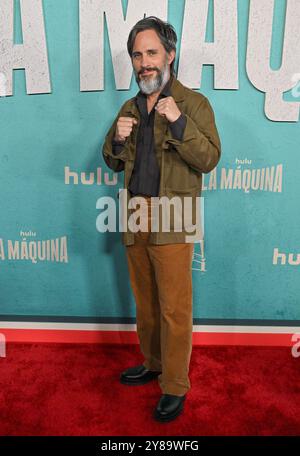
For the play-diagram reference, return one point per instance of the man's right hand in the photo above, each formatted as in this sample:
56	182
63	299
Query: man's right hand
124	128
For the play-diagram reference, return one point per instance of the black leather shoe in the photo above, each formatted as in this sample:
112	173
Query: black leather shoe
169	407
138	375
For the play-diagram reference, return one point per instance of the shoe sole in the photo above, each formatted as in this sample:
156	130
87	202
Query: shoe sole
138	382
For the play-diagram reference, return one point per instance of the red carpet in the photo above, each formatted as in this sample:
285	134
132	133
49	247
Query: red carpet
61	389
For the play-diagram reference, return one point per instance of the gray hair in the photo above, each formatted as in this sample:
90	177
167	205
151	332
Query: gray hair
164	30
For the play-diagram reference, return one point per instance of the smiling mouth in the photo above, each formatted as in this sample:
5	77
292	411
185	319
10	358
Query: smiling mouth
147	72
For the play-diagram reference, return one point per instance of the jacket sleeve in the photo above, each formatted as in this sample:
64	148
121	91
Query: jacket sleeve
117	164
200	147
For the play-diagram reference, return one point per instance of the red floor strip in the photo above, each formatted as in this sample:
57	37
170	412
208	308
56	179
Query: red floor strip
130	337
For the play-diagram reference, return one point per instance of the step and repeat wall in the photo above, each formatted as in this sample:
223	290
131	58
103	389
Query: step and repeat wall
64	74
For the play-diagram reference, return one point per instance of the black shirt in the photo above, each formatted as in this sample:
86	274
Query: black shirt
145	176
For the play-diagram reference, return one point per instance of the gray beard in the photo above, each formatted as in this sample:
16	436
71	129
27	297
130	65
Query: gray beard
155	83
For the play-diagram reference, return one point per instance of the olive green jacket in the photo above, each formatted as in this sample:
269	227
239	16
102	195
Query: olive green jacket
181	162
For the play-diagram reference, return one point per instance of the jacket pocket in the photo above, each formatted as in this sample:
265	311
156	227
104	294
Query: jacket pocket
180	208
181	178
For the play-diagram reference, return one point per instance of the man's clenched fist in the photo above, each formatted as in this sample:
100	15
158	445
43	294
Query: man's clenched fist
124	128
167	107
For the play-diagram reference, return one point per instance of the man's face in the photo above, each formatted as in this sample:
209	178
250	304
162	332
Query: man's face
151	62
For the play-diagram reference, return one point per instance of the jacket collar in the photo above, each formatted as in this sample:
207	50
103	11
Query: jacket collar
176	89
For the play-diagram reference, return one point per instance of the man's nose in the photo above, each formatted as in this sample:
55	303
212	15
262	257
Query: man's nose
145	60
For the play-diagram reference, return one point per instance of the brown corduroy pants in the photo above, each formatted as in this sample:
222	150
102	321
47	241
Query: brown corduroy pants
161	281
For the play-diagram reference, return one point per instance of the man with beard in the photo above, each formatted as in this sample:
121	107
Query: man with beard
164	139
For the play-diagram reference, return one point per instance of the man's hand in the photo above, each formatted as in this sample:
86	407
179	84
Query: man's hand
124	128
167	107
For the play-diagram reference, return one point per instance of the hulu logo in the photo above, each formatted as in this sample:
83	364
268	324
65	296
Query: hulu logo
282	258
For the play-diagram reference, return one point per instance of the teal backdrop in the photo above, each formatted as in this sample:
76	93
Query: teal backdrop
239	278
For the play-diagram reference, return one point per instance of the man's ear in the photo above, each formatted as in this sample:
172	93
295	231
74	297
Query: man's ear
171	56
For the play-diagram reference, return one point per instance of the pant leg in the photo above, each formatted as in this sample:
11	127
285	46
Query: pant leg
143	284
173	272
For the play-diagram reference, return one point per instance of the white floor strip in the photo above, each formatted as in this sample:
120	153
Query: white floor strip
132	327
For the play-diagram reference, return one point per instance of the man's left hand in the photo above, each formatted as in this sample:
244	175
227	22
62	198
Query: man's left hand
167	107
